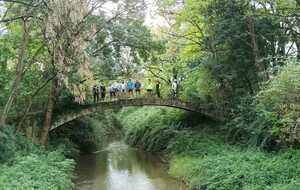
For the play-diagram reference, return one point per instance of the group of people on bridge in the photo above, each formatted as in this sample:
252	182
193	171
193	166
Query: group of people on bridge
129	88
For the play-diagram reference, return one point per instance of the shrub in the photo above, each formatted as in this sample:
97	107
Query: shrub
231	168
279	103
249	128
150	128
8	147
203	158
199	87
49	171
14	144
26	166
85	134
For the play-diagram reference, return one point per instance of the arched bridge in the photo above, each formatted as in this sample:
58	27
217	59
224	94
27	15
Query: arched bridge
87	109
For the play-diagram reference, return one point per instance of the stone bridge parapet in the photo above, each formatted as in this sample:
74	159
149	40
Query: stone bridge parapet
137	102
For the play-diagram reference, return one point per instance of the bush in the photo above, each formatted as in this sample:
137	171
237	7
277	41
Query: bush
201	156
205	162
14	144
249	128
199	87
86	134
8	147
49	171
150	128
26	166
272	118
279	104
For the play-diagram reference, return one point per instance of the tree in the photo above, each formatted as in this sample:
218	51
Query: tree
241	43
66	43
122	48
25	14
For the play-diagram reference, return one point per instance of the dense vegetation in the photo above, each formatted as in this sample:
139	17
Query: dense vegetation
202	155
239	58
25	165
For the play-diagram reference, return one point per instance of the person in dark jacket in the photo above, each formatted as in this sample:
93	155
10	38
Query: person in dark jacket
158	88
96	94
103	91
137	86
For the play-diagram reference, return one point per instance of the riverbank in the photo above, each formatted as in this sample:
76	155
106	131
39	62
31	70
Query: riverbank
204	157
198	152
25	165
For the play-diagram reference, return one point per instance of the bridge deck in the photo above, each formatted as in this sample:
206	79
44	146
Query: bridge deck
120	103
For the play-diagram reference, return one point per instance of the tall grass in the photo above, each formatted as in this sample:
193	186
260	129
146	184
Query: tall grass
149	128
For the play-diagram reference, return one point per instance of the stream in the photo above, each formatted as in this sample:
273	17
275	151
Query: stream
120	167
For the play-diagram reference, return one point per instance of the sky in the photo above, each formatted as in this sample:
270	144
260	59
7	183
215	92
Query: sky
152	19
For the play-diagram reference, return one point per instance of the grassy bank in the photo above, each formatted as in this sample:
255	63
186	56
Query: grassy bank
204	157
26	166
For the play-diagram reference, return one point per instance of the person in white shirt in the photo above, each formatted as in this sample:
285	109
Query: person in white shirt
174	87
123	88
111	88
116	88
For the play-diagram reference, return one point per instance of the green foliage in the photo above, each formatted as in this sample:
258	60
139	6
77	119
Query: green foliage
124	36
150	128
27	166
85	134
203	158
239	169
271	118
221	51
50	171
14	144
193	142
280	98
234	46
7	145
279	103
249	128
199	87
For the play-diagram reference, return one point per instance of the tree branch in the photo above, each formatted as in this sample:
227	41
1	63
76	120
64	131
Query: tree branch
30	101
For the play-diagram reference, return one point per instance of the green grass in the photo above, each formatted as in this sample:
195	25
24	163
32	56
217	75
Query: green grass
49	171
26	166
150	128
216	166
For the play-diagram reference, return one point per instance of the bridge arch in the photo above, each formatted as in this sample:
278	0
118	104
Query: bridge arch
102	106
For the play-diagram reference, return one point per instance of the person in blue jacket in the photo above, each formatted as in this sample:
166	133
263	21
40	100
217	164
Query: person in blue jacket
130	87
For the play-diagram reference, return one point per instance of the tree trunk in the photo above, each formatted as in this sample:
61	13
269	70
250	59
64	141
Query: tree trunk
261	67
49	114
30	101
19	75
298	51
297	41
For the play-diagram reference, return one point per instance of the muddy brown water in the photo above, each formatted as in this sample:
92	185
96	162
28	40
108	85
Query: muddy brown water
120	167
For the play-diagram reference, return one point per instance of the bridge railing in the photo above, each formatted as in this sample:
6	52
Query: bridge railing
119	103
140	100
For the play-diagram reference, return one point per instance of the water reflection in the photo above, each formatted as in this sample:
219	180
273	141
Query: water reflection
119	167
